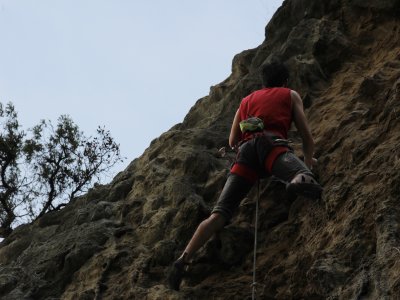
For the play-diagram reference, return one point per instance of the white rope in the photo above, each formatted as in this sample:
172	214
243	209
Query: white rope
254	284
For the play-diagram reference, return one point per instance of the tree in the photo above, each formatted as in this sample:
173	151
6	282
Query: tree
46	169
11	143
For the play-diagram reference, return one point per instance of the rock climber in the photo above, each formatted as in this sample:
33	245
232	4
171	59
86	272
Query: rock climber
259	135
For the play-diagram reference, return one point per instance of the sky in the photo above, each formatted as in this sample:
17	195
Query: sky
135	67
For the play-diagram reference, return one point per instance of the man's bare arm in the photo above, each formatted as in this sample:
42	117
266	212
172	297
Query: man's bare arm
234	136
302	126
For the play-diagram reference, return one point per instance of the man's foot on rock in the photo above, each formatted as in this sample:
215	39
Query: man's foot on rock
305	185
176	274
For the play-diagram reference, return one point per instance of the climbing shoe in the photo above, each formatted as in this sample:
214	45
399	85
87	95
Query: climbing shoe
304	185
176	273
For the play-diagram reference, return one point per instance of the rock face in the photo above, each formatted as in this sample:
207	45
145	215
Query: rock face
118	241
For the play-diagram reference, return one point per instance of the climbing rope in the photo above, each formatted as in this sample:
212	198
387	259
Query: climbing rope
254	284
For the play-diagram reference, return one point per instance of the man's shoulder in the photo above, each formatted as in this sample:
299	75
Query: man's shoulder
295	95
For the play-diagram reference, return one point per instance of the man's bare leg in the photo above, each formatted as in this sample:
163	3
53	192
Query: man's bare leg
203	233
235	189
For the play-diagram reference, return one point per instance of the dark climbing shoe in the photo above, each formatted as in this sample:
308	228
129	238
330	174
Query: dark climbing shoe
176	274
304	185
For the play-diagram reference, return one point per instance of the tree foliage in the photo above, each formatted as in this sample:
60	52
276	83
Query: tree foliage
48	166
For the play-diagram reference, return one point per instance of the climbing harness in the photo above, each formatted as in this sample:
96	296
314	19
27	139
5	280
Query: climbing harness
254	284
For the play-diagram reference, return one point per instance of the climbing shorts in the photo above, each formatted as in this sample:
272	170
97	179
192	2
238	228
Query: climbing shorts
235	189
252	161
256	156
287	165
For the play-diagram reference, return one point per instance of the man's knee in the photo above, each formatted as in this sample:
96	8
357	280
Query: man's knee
288	165
216	220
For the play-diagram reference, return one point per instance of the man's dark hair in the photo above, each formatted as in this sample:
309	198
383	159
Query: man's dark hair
274	74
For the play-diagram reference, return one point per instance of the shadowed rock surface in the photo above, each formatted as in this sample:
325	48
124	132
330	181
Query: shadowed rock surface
118	241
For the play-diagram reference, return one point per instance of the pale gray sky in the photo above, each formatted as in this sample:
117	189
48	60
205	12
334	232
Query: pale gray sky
134	66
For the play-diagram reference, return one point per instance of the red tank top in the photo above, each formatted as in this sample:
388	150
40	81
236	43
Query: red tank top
273	106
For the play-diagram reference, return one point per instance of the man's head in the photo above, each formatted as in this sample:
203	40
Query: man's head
274	74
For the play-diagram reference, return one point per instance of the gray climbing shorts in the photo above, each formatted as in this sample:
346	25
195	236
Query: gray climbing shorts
286	167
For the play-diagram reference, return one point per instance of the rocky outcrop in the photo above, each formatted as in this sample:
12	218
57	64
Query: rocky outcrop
117	241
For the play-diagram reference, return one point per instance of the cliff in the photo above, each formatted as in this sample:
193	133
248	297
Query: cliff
117	241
